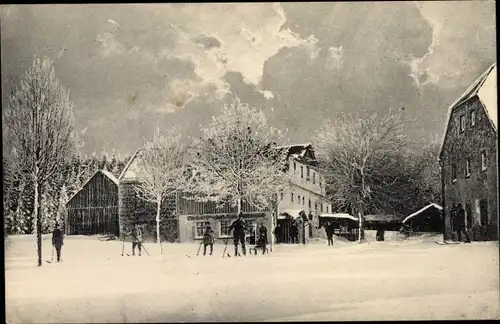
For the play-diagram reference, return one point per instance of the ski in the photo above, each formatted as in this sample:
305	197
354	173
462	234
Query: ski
446	243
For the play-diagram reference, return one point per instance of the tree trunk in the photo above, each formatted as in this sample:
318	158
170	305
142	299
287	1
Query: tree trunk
360	225
158	239
38	218
239	206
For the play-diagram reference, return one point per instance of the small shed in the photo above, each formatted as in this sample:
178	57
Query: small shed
428	219
382	222
345	225
94	208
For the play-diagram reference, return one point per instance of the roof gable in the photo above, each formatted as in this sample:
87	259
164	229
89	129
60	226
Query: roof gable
107	174
485	88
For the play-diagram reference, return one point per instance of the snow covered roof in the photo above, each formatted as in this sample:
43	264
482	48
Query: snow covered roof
485	88
107	174
339	215
422	210
294	213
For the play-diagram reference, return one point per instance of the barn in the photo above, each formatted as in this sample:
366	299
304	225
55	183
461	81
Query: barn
94	208
428	219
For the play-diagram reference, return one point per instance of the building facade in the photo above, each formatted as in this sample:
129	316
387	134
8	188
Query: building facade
305	194
469	159
94	209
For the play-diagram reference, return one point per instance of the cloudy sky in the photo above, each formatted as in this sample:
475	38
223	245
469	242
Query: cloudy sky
132	68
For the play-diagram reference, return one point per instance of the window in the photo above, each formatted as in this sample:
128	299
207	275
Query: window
467	168
321	205
472	118
316	207
314	177
462	123
326	209
291	197
199	229
298	198
224	228
281	195
483	160
483	211
454	172
310	204
303	200
301	171
294	167
308	173
251	226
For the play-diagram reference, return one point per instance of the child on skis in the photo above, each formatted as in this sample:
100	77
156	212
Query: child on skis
208	239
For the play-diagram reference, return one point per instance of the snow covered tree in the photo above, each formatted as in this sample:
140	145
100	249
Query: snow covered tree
161	168
39	124
360	158
236	159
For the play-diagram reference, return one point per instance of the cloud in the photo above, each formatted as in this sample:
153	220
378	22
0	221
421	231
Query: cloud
109	45
250	35
335	58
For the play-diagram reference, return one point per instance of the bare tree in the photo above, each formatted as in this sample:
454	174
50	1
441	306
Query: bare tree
236	159
39	123
357	156
161	170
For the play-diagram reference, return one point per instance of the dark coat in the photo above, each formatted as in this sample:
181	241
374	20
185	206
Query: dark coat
329	229
294	230
57	237
238	227
460	219
136	234
208	236
263	235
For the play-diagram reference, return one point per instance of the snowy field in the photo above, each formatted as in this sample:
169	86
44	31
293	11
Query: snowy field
370	281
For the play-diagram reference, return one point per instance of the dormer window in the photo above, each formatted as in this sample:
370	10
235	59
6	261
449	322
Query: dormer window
308	173
301	171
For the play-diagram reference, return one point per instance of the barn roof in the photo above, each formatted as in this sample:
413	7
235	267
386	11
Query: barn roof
107	174
128	164
383	218
485	88
418	212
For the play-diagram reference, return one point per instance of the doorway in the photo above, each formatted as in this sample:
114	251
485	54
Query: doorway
483	212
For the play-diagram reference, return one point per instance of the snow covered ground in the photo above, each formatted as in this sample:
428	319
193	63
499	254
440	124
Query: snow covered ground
416	279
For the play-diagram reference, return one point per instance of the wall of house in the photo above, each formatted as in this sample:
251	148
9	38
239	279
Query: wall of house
94	209
480	184
134	210
306	192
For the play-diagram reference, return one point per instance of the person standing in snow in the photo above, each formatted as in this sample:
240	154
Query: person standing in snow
238	227
136	239
294	233
208	239
262	241
57	241
277	233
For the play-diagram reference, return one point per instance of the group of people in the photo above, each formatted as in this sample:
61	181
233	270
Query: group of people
239	229
293	235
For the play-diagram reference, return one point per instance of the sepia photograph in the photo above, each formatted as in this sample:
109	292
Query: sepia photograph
248	162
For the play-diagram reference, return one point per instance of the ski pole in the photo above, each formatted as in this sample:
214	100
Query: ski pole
199	247
142	244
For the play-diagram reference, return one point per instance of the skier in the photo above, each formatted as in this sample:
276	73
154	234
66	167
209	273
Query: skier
57	241
238	227
136	239
262	241
208	239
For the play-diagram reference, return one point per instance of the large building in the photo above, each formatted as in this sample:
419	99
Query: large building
94	208
469	158
305	195
184	218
